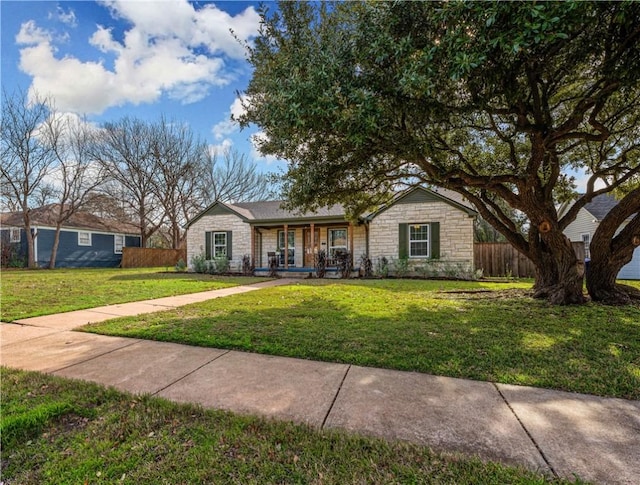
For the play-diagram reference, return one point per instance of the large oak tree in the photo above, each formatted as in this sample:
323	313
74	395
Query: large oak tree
497	101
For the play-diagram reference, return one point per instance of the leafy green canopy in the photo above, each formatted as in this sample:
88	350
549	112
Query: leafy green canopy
494	100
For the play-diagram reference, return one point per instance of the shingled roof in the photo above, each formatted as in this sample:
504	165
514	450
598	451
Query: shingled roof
46	216
600	206
272	210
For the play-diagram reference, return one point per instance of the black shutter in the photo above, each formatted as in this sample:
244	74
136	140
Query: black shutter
435	240
403	243
229	246
207	245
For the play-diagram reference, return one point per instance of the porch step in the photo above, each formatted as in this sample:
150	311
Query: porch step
303	272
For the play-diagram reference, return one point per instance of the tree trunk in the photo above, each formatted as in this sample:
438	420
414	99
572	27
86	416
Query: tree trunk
611	251
175	236
54	248
602	286
559	274
31	251
31	256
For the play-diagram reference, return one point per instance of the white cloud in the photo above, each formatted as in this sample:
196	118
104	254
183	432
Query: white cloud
170	48
229	125
30	34
222	147
68	18
256	139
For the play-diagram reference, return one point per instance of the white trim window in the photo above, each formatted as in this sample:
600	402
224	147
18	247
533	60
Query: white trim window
84	238
337	241
586	239
118	243
291	243
219	245
15	235
419	240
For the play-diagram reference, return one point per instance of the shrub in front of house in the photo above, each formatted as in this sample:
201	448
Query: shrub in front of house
199	263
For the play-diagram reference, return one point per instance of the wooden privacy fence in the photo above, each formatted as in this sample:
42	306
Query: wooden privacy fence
502	259
151	257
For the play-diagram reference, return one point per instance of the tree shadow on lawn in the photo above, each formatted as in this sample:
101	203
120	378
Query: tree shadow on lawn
404	285
587	349
182	276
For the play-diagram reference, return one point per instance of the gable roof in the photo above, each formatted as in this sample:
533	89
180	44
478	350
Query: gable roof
46	216
272	211
423	194
600	206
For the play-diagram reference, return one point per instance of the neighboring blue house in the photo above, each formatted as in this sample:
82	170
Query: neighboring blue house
86	240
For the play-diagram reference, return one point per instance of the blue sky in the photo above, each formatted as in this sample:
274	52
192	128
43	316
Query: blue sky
140	58
143	58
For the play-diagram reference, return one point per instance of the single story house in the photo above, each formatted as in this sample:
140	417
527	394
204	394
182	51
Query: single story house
585	225
419	224
86	240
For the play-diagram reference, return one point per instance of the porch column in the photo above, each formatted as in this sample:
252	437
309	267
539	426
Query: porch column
313	243
253	246
286	246
350	236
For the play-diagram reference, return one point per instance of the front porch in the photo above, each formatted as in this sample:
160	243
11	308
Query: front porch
293	248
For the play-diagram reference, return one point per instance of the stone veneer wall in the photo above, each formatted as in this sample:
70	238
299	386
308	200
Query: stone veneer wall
456	232
241	237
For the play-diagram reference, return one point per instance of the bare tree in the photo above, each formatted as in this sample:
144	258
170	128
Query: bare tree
75	174
178	159
124	150
27	155
231	177
102	203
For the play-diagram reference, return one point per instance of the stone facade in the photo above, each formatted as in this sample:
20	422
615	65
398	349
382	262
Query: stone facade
241	237
456	233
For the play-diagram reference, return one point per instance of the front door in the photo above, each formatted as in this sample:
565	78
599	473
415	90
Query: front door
309	250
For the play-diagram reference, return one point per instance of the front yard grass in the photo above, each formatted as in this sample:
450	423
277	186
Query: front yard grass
477	330
61	431
31	293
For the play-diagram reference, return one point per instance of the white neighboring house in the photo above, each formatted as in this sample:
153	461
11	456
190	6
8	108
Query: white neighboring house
585	225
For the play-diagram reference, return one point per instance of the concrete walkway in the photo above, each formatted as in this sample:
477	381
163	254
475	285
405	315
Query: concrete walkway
554	432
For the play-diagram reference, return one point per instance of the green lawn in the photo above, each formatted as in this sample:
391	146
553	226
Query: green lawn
30	293
57	431
478	330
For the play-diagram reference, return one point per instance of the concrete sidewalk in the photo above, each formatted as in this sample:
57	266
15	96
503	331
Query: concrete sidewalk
558	433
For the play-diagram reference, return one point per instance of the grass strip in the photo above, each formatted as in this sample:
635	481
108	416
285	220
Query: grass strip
115	437
477	330
31	293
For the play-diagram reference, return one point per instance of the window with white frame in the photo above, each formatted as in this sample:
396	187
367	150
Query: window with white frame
291	246
419	240
219	245
586	239
118	243
15	235
337	241
84	238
